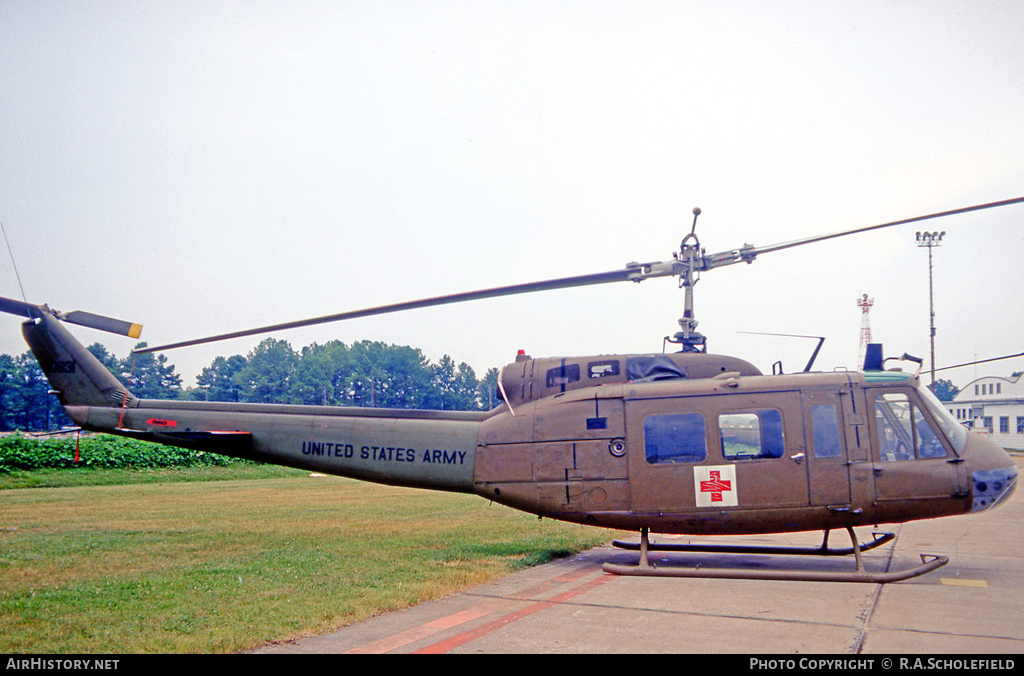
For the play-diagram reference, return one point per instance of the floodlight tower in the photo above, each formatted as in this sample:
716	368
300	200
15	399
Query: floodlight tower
931	240
865	304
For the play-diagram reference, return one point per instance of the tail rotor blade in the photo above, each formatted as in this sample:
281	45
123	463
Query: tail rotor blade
20	308
108	324
80	317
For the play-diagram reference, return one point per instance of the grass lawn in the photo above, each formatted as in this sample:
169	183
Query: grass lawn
182	565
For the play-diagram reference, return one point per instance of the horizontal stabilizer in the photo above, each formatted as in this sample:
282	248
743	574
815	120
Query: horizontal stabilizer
201	435
213	441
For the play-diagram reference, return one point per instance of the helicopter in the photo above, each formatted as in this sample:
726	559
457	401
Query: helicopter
686	442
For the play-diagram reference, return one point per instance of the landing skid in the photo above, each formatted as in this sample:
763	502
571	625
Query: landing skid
645	569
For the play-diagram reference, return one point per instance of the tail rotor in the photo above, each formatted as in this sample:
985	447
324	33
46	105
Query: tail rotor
79	317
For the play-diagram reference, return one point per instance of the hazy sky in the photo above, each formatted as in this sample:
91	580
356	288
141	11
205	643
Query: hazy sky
200	167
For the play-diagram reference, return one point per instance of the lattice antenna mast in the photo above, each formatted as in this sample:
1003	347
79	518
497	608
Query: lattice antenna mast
864	303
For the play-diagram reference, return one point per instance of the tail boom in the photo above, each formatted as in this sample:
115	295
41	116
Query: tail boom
422	449
426	449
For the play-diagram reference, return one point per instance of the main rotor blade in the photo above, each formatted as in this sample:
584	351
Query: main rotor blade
625	274
750	253
632	272
980	361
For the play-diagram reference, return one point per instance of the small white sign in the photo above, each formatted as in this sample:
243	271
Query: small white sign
715	486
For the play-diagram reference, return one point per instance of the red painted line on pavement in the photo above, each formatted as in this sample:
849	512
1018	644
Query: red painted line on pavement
541	587
473	634
427	628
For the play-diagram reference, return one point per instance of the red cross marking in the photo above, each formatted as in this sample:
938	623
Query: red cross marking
715	485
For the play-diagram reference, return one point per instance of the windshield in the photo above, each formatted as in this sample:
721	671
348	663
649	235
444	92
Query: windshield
953	430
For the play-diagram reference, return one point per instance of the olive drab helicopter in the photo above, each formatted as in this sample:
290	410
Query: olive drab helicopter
684	442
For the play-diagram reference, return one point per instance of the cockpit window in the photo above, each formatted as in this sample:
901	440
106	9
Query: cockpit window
953	430
903	430
928	444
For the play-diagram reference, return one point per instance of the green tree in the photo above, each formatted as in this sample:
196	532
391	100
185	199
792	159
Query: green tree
403	377
455	388
369	373
217	381
467	388
8	390
944	390
266	376
315	381
487	391
383	376
33	407
149	376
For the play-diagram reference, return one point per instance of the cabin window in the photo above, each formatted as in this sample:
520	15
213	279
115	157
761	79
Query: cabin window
825	424
752	434
903	431
678	437
603	369
560	376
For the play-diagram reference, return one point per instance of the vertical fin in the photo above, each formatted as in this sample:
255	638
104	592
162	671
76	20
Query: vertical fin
77	376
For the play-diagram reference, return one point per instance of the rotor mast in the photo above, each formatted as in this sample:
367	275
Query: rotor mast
689	253
687	265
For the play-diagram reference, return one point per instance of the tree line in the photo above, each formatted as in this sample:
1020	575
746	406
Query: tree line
365	373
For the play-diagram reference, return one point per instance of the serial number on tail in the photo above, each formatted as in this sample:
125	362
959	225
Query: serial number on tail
433	456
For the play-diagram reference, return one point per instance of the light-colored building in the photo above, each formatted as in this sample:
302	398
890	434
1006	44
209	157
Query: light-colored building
993	406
